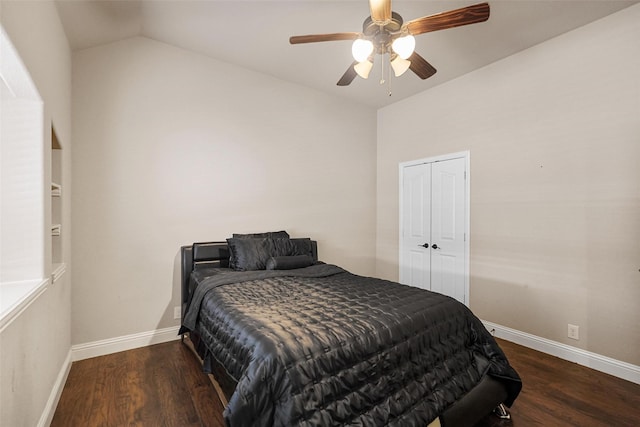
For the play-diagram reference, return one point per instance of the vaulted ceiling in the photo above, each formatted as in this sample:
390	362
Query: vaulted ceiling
255	35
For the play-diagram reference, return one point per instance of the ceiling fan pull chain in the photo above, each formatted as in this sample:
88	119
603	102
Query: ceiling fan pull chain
381	60
389	74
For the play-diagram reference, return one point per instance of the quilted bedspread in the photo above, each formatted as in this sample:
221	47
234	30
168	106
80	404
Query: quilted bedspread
320	346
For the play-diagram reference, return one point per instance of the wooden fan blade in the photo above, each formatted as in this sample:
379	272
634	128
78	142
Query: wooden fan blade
421	67
313	38
348	76
453	18
380	11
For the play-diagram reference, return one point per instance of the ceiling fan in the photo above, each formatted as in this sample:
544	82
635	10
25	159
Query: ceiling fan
385	32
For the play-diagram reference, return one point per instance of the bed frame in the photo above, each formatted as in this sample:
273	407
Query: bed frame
486	397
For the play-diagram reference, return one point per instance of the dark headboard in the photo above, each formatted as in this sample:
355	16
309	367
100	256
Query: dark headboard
209	255
201	255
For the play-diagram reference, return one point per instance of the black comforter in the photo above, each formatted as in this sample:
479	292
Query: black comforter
320	346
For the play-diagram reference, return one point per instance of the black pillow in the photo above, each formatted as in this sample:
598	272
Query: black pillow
272	234
302	246
282	247
289	262
249	253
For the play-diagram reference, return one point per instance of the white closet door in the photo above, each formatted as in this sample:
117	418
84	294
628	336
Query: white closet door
416	226
448	228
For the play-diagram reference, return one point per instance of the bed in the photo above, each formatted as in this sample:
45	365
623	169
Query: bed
292	341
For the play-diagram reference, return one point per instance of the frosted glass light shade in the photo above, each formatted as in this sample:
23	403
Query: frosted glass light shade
363	68
400	65
361	49
404	46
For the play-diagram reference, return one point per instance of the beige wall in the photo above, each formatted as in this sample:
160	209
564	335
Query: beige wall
35	346
555	183
172	147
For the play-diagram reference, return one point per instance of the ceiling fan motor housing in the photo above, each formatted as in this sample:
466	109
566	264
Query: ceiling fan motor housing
383	35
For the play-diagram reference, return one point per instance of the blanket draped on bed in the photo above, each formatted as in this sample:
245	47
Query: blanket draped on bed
320	346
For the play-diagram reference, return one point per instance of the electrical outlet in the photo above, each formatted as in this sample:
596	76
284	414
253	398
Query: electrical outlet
177	312
573	331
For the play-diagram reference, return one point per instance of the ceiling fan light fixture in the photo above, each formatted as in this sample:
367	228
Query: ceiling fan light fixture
363	68
385	33
361	49
399	65
404	46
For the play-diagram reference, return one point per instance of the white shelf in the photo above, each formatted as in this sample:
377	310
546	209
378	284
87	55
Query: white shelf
56	190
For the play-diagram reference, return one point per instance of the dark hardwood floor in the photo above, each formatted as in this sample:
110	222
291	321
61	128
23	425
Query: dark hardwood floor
160	385
163	385
560	393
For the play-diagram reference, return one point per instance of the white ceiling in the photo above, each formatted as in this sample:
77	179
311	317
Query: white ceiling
255	35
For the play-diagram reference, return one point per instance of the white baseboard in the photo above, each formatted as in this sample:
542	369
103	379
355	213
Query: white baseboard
127	342
56	392
605	364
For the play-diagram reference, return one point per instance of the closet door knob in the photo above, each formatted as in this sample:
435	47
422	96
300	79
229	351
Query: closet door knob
426	245
435	246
